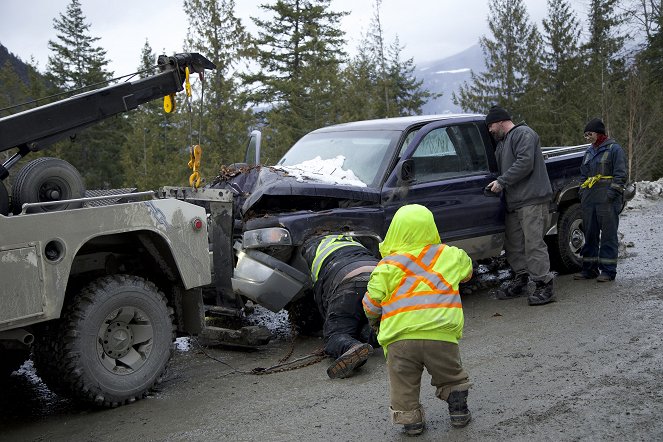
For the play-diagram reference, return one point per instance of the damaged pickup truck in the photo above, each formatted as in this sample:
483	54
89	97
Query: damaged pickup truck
351	178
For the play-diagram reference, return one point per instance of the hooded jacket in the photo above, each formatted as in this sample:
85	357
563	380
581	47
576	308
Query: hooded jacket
413	291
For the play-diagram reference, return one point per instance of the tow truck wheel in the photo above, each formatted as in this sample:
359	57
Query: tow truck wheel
47	179
565	248
4	200
112	344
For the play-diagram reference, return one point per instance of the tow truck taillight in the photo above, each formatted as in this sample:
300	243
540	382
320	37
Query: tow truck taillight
197	224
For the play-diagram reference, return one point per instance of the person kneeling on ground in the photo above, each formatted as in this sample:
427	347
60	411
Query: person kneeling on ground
340	269
413	295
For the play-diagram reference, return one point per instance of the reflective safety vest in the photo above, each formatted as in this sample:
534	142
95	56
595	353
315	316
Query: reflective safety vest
329	244
420	296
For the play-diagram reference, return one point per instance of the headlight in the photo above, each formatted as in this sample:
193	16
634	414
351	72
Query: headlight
273	236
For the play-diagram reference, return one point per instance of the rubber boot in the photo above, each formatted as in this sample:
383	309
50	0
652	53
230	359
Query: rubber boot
543	294
458	411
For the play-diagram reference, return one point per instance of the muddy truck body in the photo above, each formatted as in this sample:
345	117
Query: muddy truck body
97	287
351	178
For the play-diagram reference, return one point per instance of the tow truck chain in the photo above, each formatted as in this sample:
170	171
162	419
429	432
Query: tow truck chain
283	364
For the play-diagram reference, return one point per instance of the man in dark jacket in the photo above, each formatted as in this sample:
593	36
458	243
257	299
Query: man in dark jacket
340	269
603	172
527	193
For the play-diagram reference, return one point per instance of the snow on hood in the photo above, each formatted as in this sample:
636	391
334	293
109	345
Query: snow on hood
328	171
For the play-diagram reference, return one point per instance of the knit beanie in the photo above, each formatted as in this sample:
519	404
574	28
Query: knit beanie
495	114
595	125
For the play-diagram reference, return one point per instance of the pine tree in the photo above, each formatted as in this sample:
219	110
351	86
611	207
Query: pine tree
604	70
299	52
76	63
221	37
560	104
510	56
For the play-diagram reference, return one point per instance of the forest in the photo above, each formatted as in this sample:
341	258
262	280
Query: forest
294	75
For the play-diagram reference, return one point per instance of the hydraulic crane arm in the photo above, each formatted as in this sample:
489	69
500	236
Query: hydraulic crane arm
36	129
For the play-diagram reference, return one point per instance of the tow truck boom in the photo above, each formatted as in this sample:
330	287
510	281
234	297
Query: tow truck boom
36	129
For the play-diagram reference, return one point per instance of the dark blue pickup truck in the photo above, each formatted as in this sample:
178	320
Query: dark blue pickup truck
351	178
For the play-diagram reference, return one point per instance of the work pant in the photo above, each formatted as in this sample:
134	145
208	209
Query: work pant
600	221
526	251
345	318
406	360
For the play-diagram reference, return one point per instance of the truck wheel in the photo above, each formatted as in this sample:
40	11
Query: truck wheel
4	200
47	179
112	343
565	248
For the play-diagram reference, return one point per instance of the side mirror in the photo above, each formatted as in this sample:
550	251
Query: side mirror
252	155
406	172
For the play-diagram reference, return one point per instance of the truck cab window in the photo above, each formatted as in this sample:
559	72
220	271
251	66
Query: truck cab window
447	152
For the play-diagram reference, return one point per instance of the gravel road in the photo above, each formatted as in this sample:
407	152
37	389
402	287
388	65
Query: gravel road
587	367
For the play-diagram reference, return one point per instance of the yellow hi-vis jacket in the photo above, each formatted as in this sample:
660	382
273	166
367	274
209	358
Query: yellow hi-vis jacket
413	291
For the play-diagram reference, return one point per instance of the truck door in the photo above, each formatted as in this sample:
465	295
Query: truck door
445	167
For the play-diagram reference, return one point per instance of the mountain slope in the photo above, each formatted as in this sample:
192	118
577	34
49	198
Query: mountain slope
447	75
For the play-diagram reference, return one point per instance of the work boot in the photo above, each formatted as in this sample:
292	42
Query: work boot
348	361
458	411
604	277
543	294
585	275
515	288
414	429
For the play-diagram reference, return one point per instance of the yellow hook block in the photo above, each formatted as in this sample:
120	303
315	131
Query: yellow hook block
169	103
195	154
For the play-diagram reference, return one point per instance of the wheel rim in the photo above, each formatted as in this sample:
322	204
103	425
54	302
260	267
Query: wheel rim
125	340
53	190
576	238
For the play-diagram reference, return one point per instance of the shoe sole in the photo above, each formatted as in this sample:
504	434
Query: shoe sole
346	363
541	302
461	423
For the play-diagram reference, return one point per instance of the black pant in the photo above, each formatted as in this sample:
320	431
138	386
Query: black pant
345	322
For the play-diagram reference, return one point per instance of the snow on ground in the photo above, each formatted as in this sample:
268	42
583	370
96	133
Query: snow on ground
646	191
328	171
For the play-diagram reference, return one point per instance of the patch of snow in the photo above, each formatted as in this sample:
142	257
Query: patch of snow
454	71
646	191
328	171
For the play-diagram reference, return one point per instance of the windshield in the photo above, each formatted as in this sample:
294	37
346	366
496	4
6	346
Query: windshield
360	154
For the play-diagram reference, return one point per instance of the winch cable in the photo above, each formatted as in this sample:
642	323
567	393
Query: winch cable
282	364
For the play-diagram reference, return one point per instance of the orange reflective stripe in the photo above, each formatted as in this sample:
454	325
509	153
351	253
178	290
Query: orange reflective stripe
420	307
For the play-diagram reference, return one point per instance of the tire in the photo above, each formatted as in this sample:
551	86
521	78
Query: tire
111	345
4	200
565	247
47	179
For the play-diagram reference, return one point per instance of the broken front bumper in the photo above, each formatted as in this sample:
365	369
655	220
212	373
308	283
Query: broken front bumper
266	280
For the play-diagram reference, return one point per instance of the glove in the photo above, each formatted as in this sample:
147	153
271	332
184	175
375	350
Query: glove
613	194
375	325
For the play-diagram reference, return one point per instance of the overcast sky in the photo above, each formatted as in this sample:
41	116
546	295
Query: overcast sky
429	29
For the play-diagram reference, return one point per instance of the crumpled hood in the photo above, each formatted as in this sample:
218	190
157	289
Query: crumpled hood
412	228
274	186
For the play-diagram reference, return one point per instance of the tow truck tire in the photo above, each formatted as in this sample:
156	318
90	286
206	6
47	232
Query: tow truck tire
47	179
565	247
111	345
4	200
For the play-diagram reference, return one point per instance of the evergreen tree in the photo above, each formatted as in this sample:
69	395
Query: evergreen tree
224	129
153	155
406	94
77	63
604	70
299	52
510	56
560	104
